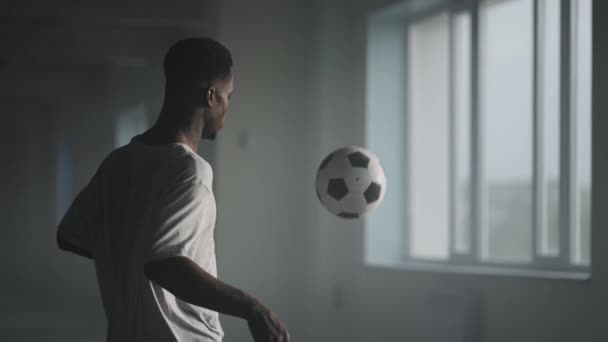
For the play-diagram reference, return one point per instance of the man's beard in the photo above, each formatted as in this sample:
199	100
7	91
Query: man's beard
207	135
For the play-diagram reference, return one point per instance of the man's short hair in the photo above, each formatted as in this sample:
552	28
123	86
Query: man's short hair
197	61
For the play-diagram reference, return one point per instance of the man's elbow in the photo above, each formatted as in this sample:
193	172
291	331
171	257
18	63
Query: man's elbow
60	241
158	269
66	246
164	272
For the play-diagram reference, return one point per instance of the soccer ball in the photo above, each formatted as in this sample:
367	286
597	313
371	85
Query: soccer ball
350	182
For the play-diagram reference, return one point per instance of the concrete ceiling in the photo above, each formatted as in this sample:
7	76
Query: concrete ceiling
51	46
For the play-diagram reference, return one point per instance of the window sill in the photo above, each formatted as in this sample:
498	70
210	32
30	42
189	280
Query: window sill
501	271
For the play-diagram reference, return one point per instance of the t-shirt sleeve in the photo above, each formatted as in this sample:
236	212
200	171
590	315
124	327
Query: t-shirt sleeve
177	221
84	216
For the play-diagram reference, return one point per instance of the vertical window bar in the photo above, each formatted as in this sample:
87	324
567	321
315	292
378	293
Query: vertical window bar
581	128
566	153
538	223
406	215
573	202
547	120
476	152
453	141
460	111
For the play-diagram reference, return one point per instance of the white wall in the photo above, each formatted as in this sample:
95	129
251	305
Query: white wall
300	86
266	160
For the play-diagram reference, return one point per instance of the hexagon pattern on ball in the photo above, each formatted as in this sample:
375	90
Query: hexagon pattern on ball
350	182
336	188
372	193
358	159
348	215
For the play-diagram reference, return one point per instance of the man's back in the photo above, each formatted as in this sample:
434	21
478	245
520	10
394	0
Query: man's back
147	216
153	202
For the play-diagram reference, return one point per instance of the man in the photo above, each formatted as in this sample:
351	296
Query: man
148	214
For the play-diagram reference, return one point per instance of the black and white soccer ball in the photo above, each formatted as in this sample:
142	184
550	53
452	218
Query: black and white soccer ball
350	182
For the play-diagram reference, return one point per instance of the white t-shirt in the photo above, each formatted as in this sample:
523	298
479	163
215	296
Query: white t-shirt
146	203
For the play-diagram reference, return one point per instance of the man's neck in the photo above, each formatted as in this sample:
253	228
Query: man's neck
189	138
163	134
166	131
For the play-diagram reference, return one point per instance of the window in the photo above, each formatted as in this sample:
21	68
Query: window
481	114
64	179
129	123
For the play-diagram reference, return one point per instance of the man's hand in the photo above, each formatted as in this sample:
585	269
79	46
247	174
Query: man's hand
265	326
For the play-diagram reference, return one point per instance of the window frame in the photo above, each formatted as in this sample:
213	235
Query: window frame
561	265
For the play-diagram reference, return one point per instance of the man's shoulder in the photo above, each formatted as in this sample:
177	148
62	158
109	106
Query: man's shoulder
192	167
174	163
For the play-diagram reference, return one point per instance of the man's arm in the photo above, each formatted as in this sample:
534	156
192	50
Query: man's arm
189	282
65	245
173	236
77	228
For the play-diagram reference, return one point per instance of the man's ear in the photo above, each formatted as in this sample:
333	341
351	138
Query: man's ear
210	97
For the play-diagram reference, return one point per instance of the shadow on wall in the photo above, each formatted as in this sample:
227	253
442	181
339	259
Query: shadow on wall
80	78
